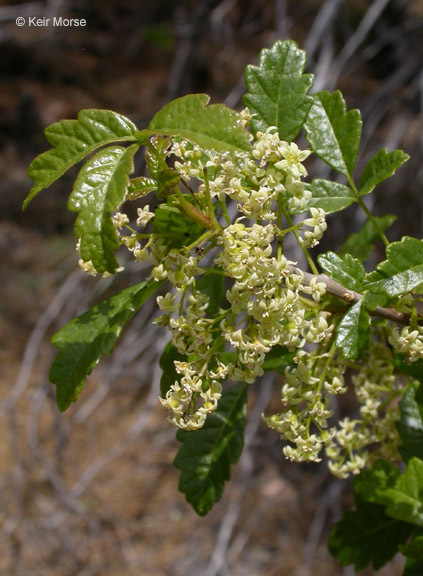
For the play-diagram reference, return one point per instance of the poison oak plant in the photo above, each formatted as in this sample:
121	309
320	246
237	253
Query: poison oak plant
230	188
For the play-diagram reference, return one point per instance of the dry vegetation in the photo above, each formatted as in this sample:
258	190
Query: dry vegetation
93	491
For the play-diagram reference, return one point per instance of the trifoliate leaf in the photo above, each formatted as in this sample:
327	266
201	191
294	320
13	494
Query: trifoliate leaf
352	332
379	168
366	536
100	189
410	426
333	133
169	375
207	454
347	270
330	196
215	126
277	90
361	244
83	340
401	272
73	140
406	497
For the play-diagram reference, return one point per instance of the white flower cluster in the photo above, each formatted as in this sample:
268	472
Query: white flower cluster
408	342
306	395
357	442
268	302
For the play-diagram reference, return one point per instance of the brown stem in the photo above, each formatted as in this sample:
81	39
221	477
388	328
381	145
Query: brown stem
350	296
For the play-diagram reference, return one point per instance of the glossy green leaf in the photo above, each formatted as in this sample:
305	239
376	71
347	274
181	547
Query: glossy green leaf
401	272
333	133
215	126
347	270
85	339
169	374
72	140
410	426
207	454
100	189
352	332
361	244
330	196
366	536
406	497
277	90
380	167
139	187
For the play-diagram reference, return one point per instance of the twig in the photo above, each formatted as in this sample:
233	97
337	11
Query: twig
350	296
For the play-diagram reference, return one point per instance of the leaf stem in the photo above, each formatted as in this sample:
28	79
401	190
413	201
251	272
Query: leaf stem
369	215
193	213
306	253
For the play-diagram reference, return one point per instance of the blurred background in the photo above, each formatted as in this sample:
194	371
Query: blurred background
93	491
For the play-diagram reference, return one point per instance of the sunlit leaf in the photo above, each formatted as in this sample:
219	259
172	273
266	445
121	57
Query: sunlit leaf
99	190
72	140
277	90
379	168
401	272
333	133
215	126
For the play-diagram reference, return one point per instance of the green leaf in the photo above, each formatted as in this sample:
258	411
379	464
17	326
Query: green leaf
379	168
347	270
352	332
169	376
139	187
207	454
406	497
361	244
414	549
401	272
83	340
277	90
213	285
330	196
370	485
410	427
73	140
366	536
175	227
216	126
333	133
100	189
